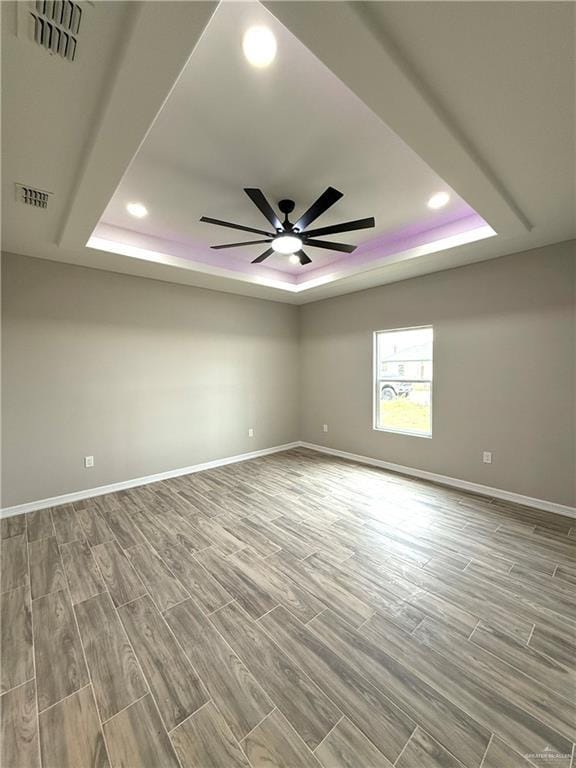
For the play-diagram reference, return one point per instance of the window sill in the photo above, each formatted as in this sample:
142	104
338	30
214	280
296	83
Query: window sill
427	435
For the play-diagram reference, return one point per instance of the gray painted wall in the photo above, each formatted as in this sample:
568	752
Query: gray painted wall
504	354
150	376
143	375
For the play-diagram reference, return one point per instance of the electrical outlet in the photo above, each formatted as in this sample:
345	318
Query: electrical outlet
324	427
487	457
88	462
250	432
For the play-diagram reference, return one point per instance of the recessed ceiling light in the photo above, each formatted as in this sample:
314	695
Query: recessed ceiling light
286	244
293	259
439	200
137	209
259	46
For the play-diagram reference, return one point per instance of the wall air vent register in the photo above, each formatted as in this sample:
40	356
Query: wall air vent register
52	24
37	198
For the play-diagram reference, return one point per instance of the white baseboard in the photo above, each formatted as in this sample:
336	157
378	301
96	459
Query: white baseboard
67	498
465	485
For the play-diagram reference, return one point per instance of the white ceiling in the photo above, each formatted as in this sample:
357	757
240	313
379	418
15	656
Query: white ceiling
50	108
504	73
293	130
482	92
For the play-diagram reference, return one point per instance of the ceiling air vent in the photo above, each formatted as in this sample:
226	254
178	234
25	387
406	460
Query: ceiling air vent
37	198
52	24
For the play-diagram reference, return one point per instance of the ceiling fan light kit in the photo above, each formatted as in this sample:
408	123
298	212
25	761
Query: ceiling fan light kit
286	244
290	238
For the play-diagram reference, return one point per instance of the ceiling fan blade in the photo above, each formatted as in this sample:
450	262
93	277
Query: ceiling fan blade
346	226
235	245
263	256
325	201
304	259
257	197
331	246
221	223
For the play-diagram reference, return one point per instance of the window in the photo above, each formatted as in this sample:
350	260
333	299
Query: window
403	380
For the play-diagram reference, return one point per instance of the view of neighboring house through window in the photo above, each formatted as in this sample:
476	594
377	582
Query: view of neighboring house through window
403	380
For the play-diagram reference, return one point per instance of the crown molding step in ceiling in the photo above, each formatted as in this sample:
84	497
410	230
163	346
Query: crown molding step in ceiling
419	127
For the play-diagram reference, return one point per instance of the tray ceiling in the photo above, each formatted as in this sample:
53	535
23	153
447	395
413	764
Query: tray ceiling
292	129
388	102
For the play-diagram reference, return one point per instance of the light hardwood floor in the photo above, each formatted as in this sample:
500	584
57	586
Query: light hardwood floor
294	611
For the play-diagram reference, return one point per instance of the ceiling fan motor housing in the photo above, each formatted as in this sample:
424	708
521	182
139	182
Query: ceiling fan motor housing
286	206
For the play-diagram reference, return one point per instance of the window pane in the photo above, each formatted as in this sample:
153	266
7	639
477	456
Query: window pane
404	406
405	354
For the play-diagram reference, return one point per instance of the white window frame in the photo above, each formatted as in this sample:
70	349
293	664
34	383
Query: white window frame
376	383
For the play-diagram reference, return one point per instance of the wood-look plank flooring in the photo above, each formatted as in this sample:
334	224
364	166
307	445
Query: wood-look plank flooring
294	611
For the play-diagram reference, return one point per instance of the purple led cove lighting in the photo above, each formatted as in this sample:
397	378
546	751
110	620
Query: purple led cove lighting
395	242
190	251
279	269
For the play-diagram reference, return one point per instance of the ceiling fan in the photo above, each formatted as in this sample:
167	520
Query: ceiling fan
290	238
